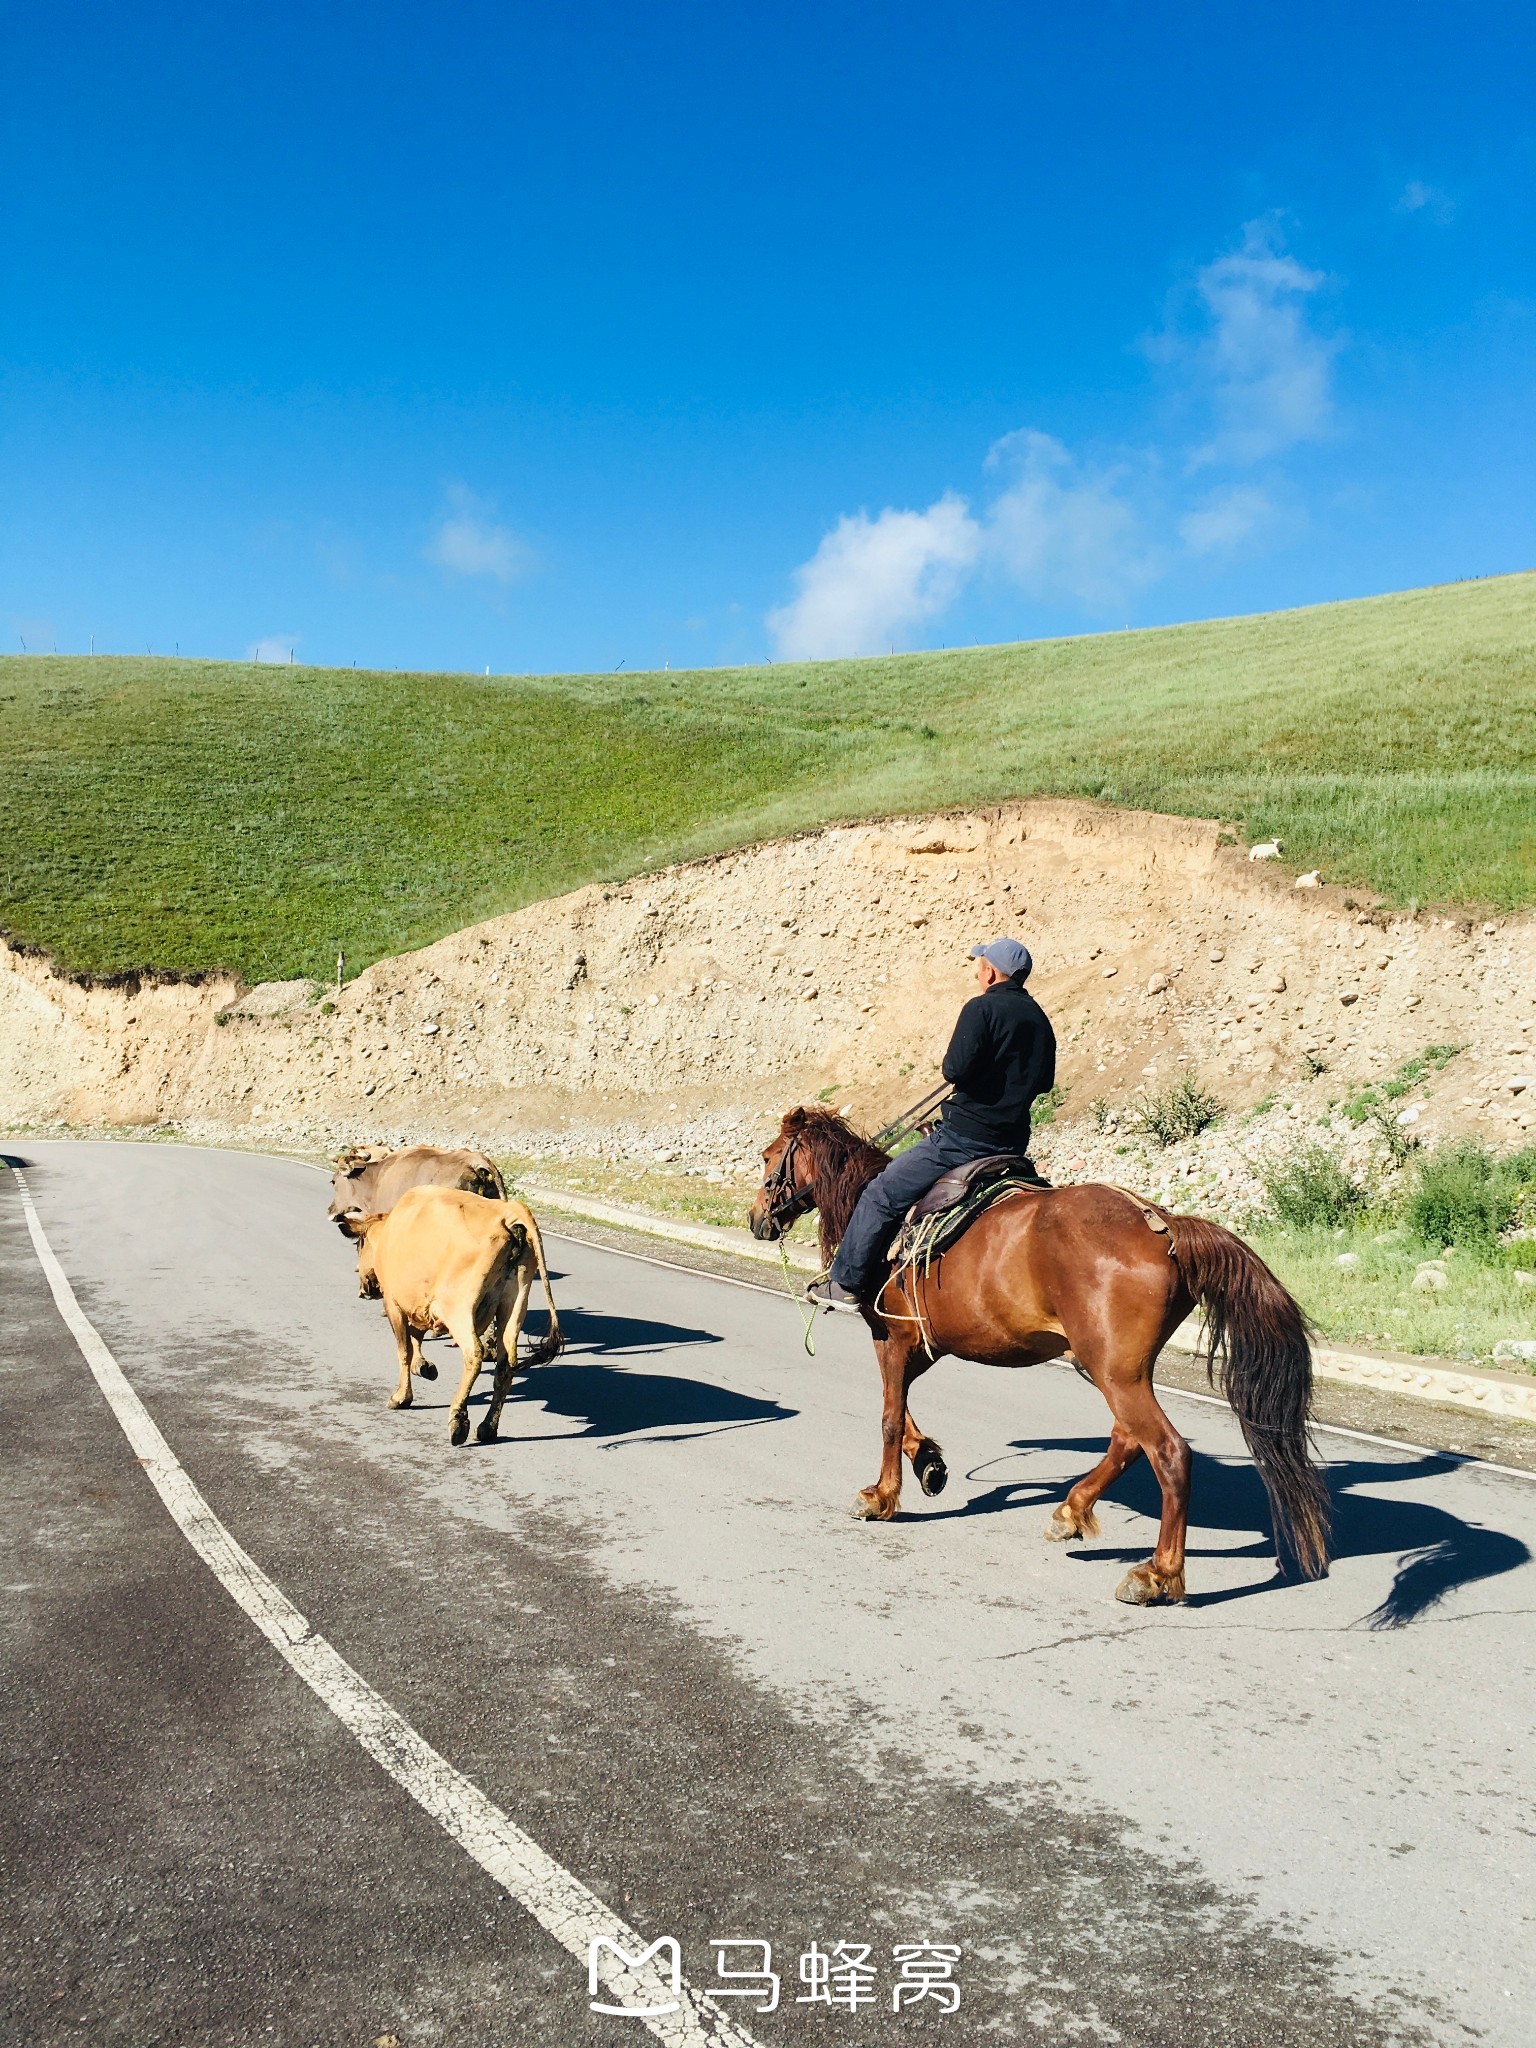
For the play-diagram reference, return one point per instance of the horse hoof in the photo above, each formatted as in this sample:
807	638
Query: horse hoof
868	1508
931	1470
486	1433
1061	1529
426	1370
458	1430
1147	1588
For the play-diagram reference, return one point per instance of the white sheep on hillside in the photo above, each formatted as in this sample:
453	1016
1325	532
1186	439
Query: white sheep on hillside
1267	849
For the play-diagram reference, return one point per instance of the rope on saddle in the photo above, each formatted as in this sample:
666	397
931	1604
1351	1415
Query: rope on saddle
919	1244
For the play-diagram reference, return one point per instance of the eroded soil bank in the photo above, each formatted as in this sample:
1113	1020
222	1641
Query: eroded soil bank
680	1011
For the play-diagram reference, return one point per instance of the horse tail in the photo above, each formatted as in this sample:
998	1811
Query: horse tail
1259	1355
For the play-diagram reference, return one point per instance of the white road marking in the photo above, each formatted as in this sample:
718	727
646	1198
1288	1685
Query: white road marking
679	2016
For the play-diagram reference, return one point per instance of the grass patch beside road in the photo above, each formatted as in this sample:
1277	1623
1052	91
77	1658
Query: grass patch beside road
187	815
1374	1302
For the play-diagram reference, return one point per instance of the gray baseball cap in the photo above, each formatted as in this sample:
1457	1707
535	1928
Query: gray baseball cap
1008	956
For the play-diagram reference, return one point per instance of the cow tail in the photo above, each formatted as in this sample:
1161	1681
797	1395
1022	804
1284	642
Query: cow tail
553	1342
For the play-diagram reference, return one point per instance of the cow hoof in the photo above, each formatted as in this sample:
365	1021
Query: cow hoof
486	1433
399	1400
930	1469
458	1430
426	1370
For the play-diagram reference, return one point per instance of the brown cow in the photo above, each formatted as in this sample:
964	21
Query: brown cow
445	1259
371	1178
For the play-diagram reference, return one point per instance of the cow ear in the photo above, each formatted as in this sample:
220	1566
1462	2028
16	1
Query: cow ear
354	1223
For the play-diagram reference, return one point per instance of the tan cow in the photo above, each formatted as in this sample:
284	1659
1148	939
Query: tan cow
445	1259
372	1178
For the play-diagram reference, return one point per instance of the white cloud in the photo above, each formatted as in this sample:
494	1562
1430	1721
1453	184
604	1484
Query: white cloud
273	647
1269	376
871	580
1435	205
1062	530
1088	529
1225	520
469	542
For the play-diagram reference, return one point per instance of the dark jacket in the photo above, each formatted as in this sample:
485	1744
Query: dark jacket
1003	1055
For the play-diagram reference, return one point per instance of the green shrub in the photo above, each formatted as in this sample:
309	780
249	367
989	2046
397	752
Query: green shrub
1467	1196
1398	1138
1182	1111
1364	1105
1311	1188
1044	1112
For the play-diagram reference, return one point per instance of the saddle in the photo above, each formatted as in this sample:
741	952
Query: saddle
936	1219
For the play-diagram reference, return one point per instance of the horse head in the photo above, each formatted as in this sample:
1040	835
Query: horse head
788	1189
817	1161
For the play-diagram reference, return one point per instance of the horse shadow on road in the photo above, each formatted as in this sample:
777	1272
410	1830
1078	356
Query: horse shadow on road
614	1402
1437	1552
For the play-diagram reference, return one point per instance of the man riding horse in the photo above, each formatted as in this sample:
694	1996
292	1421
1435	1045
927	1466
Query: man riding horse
1036	1273
1001	1056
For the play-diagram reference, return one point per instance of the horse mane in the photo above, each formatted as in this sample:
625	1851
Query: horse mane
843	1165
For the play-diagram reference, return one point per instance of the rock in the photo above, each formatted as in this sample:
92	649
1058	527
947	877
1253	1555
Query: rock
1489	930
1383	960
430	1030
1110	973
1523	1278
1311	880
1349	996
1216	956
1518	1083
1276	984
1430	1280
1157	984
1410	1115
1523	1348
1347	1261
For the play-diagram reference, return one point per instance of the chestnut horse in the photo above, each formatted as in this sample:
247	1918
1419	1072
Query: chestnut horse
1093	1271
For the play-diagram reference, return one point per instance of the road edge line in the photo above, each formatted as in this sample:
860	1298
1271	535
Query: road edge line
545	1889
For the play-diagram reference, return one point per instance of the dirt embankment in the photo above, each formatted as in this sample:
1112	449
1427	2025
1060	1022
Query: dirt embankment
717	992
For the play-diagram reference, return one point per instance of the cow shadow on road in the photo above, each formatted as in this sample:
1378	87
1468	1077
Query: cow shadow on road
609	1335
1437	1551
612	1401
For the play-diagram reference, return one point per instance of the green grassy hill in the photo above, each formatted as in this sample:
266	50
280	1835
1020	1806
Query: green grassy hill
183	815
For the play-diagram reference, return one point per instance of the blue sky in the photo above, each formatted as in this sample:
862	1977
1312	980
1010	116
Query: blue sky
554	338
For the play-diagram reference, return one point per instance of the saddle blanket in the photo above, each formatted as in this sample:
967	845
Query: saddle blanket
952	1204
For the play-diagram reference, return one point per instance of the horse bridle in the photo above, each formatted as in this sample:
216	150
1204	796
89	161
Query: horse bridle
787	1203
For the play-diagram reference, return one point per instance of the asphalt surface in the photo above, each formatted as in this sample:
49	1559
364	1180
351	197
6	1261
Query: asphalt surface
1277	1817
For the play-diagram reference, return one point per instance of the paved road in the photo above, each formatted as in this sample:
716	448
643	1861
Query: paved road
1279	1817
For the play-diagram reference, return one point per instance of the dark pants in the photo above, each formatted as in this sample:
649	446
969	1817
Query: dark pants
860	1262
